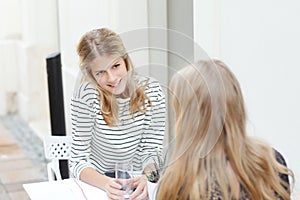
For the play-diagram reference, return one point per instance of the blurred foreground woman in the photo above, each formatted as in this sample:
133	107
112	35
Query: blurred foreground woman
213	157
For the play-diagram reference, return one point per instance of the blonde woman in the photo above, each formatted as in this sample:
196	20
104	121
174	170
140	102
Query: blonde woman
213	157
117	115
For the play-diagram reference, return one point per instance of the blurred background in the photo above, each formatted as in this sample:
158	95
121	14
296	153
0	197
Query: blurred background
259	40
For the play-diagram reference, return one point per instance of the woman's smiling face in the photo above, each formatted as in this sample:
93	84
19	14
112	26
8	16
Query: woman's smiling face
110	72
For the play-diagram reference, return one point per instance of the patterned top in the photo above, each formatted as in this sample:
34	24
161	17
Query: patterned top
216	194
137	140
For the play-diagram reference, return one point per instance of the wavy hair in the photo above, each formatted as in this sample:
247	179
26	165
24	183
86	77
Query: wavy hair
104	42
212	152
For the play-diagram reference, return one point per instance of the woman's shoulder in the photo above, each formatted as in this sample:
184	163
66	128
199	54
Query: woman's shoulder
85	89
152	87
142	80
148	81
279	157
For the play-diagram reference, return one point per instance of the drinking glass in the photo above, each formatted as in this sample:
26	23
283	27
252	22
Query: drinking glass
124	174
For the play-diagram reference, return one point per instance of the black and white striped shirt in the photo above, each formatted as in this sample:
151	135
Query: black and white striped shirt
137	140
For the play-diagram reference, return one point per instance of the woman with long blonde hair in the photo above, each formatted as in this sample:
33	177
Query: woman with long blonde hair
213	157
117	116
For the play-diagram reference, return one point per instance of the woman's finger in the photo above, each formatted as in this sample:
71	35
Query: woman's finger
113	190
141	190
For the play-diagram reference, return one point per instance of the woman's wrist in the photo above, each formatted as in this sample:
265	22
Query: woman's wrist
92	177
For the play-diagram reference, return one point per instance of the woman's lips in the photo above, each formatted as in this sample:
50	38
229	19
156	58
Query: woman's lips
114	85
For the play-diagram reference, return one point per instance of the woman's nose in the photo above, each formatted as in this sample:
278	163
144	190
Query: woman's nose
110	76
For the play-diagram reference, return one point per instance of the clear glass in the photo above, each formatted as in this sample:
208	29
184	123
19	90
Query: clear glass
124	174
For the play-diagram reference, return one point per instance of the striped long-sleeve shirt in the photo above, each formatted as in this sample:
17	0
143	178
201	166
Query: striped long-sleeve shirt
137	140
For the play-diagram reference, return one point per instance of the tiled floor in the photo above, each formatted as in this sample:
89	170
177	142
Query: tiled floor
17	165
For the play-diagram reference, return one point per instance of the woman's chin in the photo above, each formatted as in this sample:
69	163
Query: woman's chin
117	92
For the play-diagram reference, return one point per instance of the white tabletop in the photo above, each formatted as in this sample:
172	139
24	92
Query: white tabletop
65	189
71	189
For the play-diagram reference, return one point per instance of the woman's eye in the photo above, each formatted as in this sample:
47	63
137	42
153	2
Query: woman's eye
99	73
116	65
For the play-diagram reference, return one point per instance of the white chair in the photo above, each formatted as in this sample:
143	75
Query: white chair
56	148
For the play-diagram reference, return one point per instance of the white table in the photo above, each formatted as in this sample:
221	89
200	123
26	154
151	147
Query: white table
70	189
62	190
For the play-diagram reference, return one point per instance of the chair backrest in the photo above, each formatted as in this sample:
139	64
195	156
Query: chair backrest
57	147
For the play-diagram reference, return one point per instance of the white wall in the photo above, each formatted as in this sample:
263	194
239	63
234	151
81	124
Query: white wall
260	42
8	88
28	35
10	19
9	37
39	38
206	26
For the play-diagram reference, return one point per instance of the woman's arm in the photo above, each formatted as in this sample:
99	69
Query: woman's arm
82	121
107	184
91	176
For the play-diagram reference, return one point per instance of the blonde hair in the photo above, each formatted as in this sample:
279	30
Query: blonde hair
104	42
207	160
